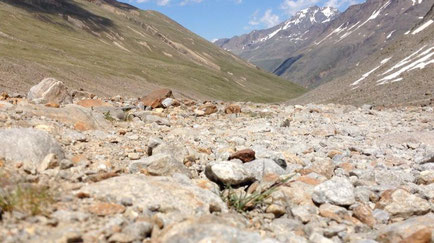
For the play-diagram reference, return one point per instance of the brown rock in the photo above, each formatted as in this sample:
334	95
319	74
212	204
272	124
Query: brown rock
106	209
155	98
92	103
333	153
52	105
323	167
205	110
416	229
400	203
245	155
4	96
348	167
82	126
277	210
81	94
421	236
334	212
309	180
78	158
364	214
233	109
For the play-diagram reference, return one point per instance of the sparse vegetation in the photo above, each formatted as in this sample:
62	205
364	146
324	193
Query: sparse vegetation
26	198
108	116
242	201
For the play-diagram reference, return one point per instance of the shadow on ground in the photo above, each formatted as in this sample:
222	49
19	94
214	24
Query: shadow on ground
69	8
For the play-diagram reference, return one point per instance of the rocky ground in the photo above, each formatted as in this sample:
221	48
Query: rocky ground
80	168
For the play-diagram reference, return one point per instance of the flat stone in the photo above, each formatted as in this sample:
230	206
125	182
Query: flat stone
337	191
261	167
207	229
88	103
175	197
159	165
106	209
228	173
28	145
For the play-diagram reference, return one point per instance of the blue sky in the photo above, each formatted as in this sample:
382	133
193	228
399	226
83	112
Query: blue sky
213	19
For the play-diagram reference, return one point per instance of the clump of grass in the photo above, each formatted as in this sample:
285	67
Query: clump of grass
30	200
26	198
242	202
108	116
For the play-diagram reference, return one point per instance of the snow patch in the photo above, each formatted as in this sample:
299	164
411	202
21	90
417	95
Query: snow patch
422	27
410	63
364	76
390	35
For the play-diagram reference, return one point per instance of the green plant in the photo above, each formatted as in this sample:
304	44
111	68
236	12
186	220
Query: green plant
29	199
108	116
242	202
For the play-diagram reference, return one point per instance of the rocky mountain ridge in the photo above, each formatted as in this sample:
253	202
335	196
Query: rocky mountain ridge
267	47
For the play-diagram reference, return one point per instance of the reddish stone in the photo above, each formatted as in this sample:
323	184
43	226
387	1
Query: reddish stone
52	105
421	236
82	126
245	155
155	98
92	103
106	209
207	109
233	109
309	180
364	214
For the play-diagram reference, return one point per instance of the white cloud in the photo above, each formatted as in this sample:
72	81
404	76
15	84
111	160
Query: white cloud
268	19
340	3
185	2
293	6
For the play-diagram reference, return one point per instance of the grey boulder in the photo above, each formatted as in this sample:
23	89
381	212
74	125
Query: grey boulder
28	145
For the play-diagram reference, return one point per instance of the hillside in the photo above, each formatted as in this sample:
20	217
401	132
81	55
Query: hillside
268	48
317	52
399	74
353	37
112	48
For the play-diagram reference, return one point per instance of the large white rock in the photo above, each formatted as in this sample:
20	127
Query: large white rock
28	145
49	90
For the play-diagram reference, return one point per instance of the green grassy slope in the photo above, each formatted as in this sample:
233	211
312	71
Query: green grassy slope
109	50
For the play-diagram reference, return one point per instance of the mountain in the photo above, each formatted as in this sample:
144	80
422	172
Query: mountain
400	73
111	48
268	48
352	37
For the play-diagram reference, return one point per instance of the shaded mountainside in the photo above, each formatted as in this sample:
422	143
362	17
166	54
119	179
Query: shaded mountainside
113	48
401	73
352	37
268	48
